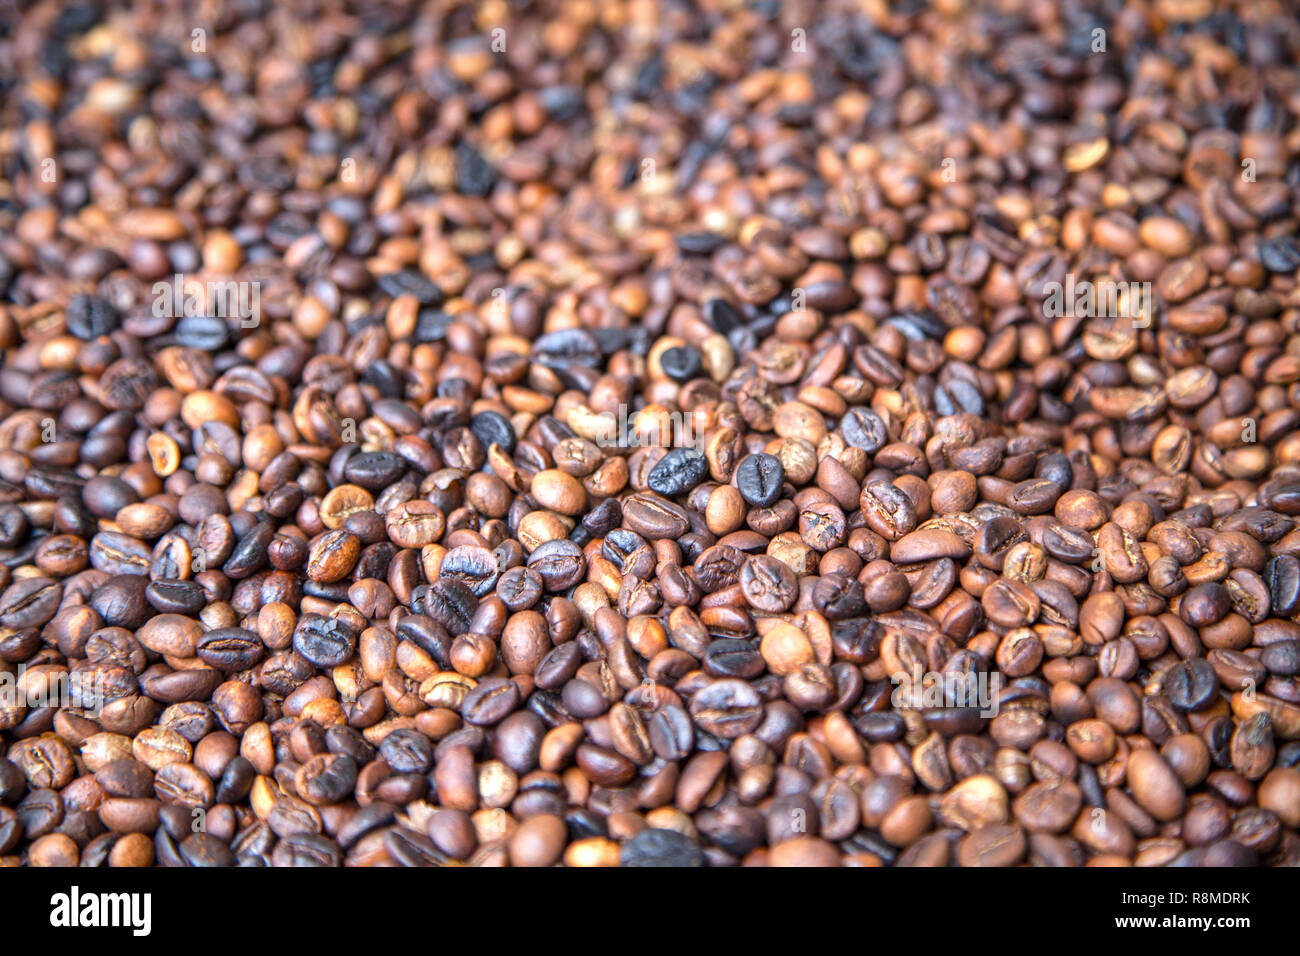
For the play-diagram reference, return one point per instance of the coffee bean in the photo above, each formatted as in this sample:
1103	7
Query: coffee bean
333	556
374	470
1282	574
1191	684
415	524
324	641
230	649
758	478
654	518
1279	254
678	472
30	602
474	176
665	848
490	702
474	567
559	563
727	708
175	597
681	363
493	428
89	317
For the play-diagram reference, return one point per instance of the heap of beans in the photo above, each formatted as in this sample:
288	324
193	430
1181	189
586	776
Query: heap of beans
637	391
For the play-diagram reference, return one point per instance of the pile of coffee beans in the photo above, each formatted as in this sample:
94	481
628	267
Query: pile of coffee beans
650	433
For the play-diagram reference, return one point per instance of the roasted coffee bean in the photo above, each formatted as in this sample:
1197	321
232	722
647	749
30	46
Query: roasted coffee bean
88	317
864	429
678	472
1279	254
733	658
1282	658
681	363
1282	575
307	849
324	641
493	428
175	596
519	588
333	556
768	584
887	510
1191	684
415	524
758	478
559	564
206	333
727	708
230	649
407	751
121	601
654	518
374	470
490	702
451	604
472	566
250	552
666	848
30	602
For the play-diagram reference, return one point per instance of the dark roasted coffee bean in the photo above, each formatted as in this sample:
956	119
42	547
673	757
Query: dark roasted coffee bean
324	641
250	553
1282	575
678	472
452	604
1282	658
493	428
666	848
175	596
864	429
88	317
374	470
1191	684
758	478
727	708
307	849
411	282
203	332
472	566
681	363
559	563
1280	254
474	176
121	601
490	702
30	602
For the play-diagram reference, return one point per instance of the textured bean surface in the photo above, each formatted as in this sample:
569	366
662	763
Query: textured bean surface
650	434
